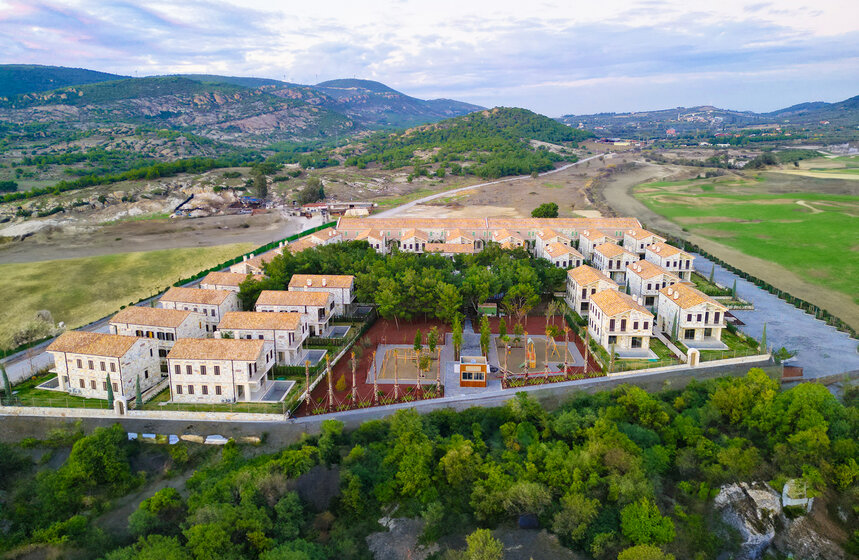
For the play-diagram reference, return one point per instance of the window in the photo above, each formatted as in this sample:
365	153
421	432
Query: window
178	389
689	318
150	353
217	389
623	324
188	370
80	363
190	389
635	325
145	374
217	370
205	389
90	364
82	384
92	384
645	325
699	318
202	370
113	365
162	353
717	316
104	385
584	293
102	366
648	286
115	388
611	325
260	337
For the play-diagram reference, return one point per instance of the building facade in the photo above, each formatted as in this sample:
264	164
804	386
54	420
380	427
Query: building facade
285	331
212	304
316	308
611	259
671	259
618	322
228	281
637	240
645	279
699	317
85	362
165	326
340	286
582	282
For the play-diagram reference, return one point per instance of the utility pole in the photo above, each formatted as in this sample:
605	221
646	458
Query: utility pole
330	385
307	384
375	381
354	386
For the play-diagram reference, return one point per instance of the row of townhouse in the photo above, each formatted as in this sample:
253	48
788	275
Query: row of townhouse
657	299
255	264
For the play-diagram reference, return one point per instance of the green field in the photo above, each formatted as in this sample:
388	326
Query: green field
78	291
811	234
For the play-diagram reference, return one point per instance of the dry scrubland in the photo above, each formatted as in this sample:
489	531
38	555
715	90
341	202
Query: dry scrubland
78	291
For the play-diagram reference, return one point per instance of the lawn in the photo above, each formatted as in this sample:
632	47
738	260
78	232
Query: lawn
738	345
26	394
78	291
811	234
161	401
707	287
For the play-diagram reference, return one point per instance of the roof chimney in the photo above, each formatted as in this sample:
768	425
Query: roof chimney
676	295
669	290
324	282
309	282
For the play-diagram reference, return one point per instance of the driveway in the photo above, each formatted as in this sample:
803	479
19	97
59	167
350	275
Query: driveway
820	349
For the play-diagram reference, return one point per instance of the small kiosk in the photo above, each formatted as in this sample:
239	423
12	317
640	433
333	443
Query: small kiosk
472	371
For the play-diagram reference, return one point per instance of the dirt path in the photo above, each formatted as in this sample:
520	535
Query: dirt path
618	194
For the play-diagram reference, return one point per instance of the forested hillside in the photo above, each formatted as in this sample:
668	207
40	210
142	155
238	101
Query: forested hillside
16	79
491	143
622	474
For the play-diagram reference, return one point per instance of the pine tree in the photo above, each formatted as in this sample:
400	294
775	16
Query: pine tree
712	273
734	289
764	339
138	395
674	329
109	393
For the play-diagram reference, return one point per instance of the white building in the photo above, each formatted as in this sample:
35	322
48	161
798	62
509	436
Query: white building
461	237
546	237
645	279
582	282
375	238
316	308
229	281
255	264
700	318
285	331
85	362
589	239
165	326
611	259
508	239
214	370
211	303
671	259
636	240
617	321
562	256
340	286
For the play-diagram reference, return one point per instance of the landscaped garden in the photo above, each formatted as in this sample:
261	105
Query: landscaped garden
27	393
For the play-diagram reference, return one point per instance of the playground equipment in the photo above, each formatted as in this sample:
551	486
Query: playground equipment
554	346
530	354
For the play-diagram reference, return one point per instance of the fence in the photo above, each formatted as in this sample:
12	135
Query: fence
55	402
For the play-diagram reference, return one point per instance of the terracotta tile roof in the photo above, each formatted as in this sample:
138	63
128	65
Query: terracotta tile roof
549	233
316	281
196	295
506	234
646	269
639	233
464	248
457	232
592	234
257	261
612	303
150	316
555	250
686	296
664	249
584	275
322	235
301	245
227	278
612	250
416	233
283	297
93	344
477	224
216	349
255	320
370	234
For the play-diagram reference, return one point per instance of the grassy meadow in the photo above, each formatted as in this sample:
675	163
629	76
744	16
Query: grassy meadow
812	234
78	291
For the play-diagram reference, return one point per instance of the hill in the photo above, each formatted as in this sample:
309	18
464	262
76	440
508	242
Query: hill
16	79
489	143
817	116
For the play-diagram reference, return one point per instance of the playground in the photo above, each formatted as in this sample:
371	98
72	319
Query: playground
401	363
530	356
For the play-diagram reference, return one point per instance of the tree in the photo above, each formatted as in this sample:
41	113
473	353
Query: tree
138	394
448	303
764	338
485	335
527	497
313	191
261	185
418	344
674	328
502	328
519	300
483	546
734	289
712	273
457	336
576	514
644	552
7	386
546	210
642	523
109	393
432	339
162	513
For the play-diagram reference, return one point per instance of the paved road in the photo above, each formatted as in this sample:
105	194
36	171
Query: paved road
821	349
394	211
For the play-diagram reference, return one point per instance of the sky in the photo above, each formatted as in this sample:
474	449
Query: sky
554	56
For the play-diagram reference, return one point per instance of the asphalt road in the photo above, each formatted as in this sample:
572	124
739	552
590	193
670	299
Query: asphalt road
394	211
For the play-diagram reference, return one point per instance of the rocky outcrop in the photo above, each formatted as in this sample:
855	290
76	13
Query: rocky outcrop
753	510
800	538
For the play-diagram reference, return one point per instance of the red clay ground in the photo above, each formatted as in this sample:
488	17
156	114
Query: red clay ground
382	332
536	325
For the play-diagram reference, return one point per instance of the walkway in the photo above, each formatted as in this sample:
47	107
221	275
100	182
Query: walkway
821	349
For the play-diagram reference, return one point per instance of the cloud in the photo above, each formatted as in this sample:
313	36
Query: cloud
624	55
